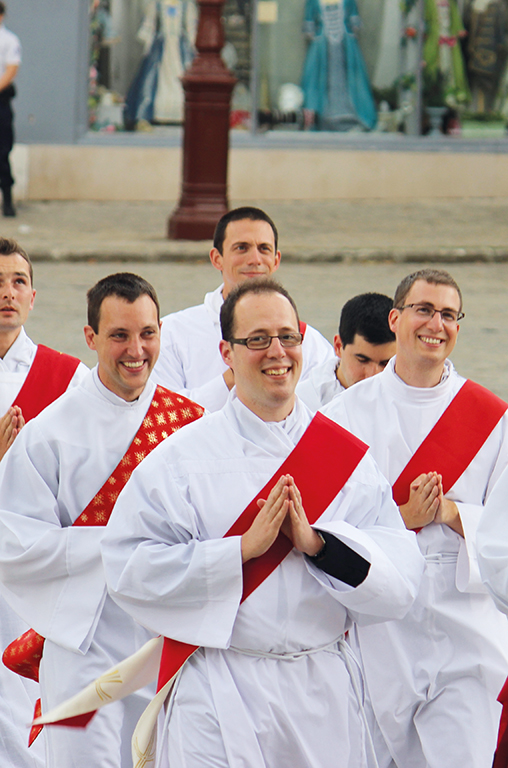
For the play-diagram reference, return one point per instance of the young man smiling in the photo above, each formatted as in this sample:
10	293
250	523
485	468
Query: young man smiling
58	484
269	686
441	442
245	247
364	345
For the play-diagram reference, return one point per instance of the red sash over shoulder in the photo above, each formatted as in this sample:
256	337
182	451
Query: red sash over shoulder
167	413
48	378
455	440
321	464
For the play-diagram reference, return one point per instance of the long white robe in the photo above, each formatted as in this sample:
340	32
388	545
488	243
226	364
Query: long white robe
492	542
321	385
51	573
434	695
190	362
167	564
18	695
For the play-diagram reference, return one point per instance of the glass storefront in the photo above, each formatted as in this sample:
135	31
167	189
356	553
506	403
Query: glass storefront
347	66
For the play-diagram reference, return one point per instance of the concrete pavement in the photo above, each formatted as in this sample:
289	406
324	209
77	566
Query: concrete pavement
457	230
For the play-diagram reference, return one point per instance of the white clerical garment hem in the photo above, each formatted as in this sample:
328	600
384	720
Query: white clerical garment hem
190	361
321	385
453	641
168	566
14	368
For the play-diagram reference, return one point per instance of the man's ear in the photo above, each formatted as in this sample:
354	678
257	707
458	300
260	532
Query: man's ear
89	336
393	320
337	344
226	350
216	259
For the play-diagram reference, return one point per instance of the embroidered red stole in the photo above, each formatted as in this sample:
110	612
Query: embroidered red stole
167	413
48	378
455	439
321	464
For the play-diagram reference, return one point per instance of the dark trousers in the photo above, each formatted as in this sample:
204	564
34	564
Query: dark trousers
6	143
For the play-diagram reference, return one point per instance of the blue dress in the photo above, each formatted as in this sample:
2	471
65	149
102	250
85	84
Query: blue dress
335	81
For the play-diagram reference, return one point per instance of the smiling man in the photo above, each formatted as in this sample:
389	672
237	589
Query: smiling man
441	442
58	485
269	686
245	246
364	345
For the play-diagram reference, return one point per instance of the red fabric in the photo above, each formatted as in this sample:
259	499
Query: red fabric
167	413
48	378
455	439
501	756
35	729
303	327
321	464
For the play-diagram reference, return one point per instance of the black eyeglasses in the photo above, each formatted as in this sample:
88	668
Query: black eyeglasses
427	313
263	342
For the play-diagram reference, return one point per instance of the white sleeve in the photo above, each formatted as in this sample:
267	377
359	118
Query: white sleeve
316	349
373	528
50	575
492	543
491	461
158	569
79	374
13	53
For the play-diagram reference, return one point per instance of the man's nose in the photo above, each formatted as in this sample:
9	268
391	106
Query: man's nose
276	349
436	322
136	346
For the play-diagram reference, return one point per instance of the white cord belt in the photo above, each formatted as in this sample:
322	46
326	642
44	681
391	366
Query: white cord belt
289	655
441	557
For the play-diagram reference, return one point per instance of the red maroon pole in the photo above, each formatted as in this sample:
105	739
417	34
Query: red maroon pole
207	85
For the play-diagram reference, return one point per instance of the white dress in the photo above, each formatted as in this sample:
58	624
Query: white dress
321	386
190	362
168	566
51	573
17	694
444	664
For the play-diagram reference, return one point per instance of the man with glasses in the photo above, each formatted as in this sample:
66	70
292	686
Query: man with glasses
245	246
433	677
270	684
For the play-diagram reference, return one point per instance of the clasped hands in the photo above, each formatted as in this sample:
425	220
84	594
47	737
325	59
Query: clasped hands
11	424
281	511
427	504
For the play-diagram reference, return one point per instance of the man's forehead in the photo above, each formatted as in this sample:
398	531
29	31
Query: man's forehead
117	312
262	310
14	262
248	229
426	292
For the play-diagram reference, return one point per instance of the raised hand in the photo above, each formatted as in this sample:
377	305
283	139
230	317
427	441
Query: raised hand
424	499
267	523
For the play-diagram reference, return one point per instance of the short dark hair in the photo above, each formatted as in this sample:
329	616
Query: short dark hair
257	286
9	247
126	286
367	316
238	214
3	9
432	276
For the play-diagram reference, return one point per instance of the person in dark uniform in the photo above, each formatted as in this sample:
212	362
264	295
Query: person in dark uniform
10	59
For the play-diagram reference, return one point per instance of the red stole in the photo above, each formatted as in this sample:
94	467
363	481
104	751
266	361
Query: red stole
455	439
321	464
48	378
167	413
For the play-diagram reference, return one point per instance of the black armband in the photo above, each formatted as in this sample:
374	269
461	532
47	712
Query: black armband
340	561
